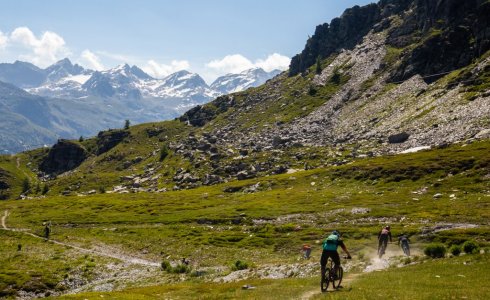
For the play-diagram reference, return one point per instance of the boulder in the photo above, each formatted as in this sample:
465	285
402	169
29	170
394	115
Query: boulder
398	138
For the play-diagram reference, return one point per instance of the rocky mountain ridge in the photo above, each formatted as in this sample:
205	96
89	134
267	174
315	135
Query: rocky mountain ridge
343	107
66	80
78	102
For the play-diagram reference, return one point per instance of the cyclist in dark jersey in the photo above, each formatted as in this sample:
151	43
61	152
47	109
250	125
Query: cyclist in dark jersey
330	245
383	236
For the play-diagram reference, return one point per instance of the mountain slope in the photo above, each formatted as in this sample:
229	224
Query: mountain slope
346	107
21	74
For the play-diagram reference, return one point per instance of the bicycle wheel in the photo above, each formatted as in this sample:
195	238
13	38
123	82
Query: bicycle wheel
381	251
325	280
337	280
406	250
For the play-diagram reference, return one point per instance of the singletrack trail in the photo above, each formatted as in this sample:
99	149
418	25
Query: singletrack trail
309	294
101	252
4	217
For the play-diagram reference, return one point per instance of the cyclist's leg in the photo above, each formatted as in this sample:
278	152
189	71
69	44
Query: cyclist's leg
336	261
323	263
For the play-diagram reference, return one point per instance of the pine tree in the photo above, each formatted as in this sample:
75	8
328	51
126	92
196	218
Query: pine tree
318	65
126	124
45	189
26	185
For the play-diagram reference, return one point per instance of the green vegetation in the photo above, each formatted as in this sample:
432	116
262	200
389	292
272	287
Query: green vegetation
222	225
470	247
435	250
454	278
455	250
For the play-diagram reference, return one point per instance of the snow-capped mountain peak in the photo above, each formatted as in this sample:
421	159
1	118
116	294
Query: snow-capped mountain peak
62	69
232	83
64	79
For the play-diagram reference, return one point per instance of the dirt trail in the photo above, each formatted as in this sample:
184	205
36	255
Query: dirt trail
346	280
4	217
375	264
105	253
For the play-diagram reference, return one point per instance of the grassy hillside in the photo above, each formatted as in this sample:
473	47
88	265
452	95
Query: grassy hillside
262	222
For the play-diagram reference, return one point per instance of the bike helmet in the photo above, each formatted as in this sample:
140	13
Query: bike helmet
336	232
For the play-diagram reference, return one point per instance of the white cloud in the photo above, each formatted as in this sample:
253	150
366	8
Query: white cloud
3	40
116	56
157	70
235	63
91	60
42	51
273	62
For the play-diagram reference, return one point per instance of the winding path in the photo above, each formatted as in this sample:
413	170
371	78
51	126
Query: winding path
124	258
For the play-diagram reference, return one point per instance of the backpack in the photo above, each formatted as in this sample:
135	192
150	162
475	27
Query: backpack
331	243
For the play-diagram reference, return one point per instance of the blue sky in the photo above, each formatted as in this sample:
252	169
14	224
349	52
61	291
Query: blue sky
211	37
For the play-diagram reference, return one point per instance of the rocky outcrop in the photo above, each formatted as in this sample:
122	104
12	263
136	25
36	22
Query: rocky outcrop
64	156
4	175
342	33
448	34
202	114
106	140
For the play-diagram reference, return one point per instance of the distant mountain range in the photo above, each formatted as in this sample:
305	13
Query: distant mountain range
74	101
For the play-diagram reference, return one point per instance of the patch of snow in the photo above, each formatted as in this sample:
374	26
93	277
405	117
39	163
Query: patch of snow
415	149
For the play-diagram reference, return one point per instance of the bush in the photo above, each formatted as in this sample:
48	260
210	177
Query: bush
470	247
239	265
435	250
181	268
166	266
163	152
335	79
178	269
312	91
455	250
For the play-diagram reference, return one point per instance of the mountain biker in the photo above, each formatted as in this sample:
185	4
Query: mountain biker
47	229
404	241
383	236
330	245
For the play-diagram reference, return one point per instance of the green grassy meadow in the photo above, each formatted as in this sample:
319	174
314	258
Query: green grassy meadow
214	226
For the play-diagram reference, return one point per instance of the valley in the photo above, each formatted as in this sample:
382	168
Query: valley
383	119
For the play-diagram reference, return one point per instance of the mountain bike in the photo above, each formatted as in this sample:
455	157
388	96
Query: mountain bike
381	250
329	276
406	249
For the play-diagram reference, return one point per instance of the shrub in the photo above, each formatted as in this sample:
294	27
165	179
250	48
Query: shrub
239	265
312	91
470	247
181	268
166	266
335	79
435	250
45	189
455	250
163	152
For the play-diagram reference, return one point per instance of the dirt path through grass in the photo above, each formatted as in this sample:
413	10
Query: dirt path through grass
101	252
4	217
